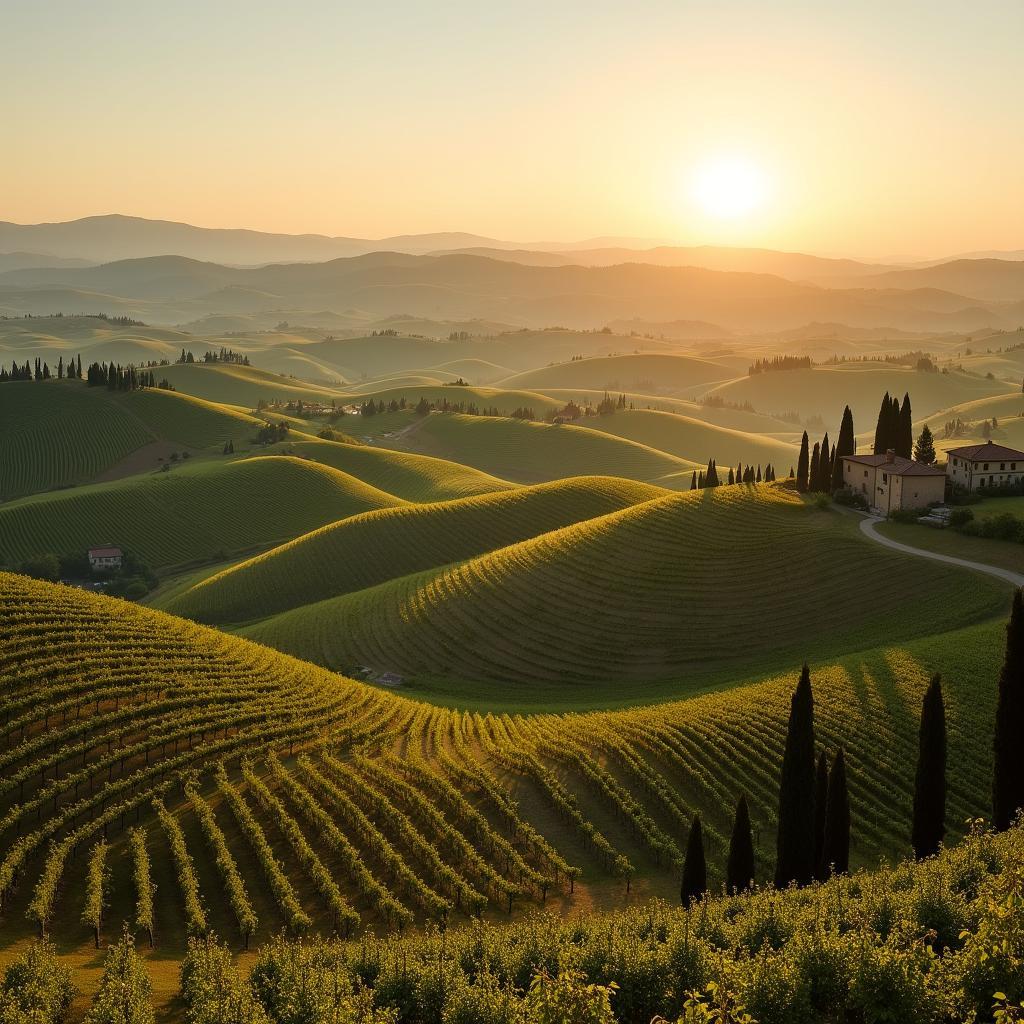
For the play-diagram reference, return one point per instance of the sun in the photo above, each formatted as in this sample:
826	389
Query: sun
728	187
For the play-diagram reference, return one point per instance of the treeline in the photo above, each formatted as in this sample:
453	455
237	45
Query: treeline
895	427
710	477
222	355
820	470
41	370
123	378
779	363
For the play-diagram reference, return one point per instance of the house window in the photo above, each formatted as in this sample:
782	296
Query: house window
885	478
865	472
985	466
1013	465
1002	465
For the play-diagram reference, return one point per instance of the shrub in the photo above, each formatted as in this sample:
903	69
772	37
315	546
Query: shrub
851	499
960	517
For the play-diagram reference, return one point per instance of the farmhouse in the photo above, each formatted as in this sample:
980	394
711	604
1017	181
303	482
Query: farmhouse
891	482
984	465
104	558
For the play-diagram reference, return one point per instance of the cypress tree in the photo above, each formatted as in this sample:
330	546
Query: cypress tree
700	480
924	450
757	478
846	445
732	477
795	862
814	477
739	472
1008	769
739	870
695	872
802	465
693	481
905	435
820	806
791	473
837	820
929	825
825	465
893	431
882	427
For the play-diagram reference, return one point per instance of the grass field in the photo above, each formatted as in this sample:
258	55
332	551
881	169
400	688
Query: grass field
652	602
58	433
825	390
695	440
409	476
649	373
108	704
194	513
372	548
535	452
1001	553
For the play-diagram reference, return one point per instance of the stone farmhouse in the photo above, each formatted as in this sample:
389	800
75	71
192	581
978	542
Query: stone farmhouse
890	482
984	465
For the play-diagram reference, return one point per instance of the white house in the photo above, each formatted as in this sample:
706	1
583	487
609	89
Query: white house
890	482
105	558
984	465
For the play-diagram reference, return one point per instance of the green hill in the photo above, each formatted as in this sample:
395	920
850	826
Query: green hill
56	434
824	390
655	600
412	477
247	386
368	549
694	439
530	452
648	373
194	513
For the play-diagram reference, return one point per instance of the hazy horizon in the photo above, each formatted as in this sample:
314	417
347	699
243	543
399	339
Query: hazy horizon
862	132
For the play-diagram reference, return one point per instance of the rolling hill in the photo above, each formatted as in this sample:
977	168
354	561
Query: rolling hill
56	434
529	452
657	599
194	513
368	549
824	390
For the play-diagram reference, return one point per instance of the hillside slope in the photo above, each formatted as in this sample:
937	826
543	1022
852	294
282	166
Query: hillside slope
57	434
194	513
368	549
652	600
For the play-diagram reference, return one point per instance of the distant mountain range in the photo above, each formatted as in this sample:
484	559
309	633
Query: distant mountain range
460	286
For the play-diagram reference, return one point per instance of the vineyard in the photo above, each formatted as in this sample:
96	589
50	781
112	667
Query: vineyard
371	548
531	452
195	512
261	793
58	433
652	601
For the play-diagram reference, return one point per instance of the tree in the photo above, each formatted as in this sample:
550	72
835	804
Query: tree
929	823
820	805
825	465
693	481
905	432
732	476
711	476
795	861
846	445
1008	768
739	870
695	872
882	427
802	465
837	820
924	450
814	476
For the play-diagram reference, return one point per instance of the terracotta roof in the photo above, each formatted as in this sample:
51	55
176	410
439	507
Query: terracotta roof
899	465
988	450
105	552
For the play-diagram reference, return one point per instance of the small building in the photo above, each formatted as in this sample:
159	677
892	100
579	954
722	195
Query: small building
103	559
984	465
890	482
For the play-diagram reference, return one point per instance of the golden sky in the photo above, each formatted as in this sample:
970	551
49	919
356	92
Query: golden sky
871	129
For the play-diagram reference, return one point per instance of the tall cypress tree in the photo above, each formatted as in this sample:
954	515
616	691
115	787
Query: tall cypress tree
1008	770
825	465
836	852
693	481
882	426
814	476
739	869
695	872
846	445
929	824
893	430
795	861
820	806
905	437
802	465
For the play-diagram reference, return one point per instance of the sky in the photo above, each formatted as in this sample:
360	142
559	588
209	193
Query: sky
873	129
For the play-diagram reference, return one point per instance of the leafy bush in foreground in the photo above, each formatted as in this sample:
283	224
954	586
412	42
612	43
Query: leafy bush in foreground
928	942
